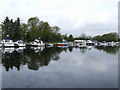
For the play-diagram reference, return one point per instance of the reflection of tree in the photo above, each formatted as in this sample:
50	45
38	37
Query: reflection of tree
12	60
0	57
30	58
36	60
83	49
70	49
108	49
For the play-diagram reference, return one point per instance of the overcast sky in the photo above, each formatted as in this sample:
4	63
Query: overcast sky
92	17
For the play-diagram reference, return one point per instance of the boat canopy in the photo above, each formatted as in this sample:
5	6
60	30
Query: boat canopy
6	39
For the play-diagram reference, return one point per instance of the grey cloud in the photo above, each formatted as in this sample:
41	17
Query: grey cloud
72	16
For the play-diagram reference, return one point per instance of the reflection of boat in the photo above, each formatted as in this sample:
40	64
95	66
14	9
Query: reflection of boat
7	50
90	43
36	43
71	44
49	45
62	44
0	44
37	49
20	49
82	45
12	49
20	43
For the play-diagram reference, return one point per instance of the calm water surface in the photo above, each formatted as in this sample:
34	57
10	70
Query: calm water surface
60	67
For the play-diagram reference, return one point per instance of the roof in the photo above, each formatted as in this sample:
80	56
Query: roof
6	39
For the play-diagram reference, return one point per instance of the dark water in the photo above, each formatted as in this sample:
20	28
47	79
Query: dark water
53	67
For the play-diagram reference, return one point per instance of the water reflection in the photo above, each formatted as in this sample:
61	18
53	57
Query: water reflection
70	49
12	58
85	49
33	57
42	58
36	57
109	49
60	67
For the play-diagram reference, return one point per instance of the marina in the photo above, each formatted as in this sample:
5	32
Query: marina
81	60
39	43
65	44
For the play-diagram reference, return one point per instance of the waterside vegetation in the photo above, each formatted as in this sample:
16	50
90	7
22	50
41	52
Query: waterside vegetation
35	28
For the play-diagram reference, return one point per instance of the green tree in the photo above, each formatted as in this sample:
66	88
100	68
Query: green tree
5	27
32	30
106	37
70	38
65	37
11	28
97	38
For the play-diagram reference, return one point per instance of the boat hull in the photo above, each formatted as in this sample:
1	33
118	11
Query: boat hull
61	44
8	44
34	45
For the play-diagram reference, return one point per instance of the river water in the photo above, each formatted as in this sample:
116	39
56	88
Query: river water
60	67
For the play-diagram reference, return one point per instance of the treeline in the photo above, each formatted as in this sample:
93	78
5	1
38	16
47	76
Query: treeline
107	37
34	28
83	36
113	36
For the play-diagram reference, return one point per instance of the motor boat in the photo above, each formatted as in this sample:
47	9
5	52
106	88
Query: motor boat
36	43
20	43
62	44
7	43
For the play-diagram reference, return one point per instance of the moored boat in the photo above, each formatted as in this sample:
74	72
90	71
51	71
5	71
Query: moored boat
20	43
7	43
49	45
62	44
36	43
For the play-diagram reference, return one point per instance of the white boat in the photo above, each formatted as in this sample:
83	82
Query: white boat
0	43
71	44
112	43
7	43
89	43
62	44
103	43
49	45
37	43
20	43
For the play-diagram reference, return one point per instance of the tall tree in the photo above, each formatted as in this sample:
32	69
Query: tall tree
70	38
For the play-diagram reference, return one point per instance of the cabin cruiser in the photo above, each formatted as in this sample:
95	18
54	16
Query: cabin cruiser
36	43
20	43
49	45
62	44
7	43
